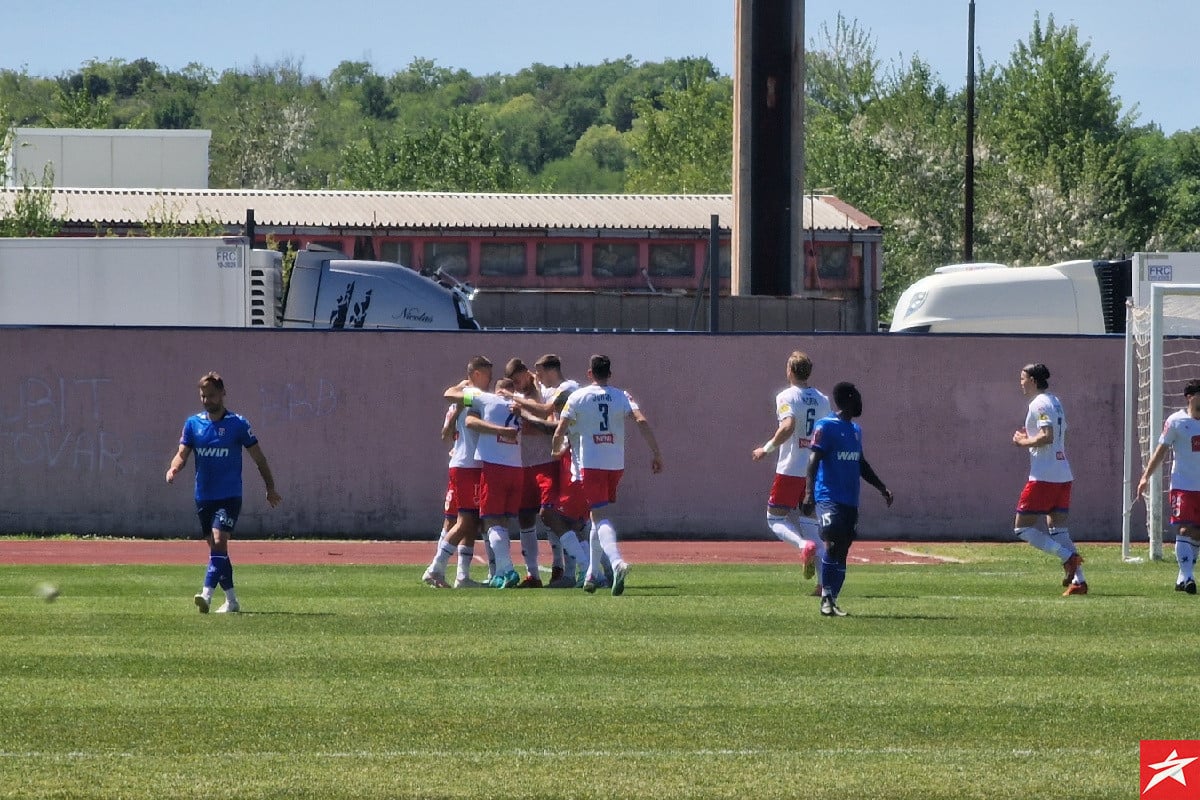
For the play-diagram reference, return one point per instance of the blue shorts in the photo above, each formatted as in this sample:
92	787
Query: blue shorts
838	523
218	514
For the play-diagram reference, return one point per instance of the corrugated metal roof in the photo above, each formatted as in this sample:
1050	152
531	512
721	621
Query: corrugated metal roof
424	210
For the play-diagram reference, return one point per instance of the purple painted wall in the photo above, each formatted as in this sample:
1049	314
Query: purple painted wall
89	420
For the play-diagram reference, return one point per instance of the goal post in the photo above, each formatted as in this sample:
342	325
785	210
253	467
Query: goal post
1162	353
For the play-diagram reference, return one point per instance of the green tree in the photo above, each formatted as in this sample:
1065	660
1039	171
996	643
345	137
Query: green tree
1053	151
262	125
685	146
462	158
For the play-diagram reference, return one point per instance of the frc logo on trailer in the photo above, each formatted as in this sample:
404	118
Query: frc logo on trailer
1159	272
1166	765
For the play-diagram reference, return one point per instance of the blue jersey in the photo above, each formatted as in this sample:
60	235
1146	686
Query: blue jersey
218	449
838	473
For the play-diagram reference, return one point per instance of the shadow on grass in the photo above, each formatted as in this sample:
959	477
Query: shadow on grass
282	614
642	589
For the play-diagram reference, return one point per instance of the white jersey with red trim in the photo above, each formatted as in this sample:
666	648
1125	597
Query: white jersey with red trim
1182	434
597	426
806	405
499	411
1049	462
462	454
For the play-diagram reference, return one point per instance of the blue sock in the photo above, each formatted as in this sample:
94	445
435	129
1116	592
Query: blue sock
833	575
223	568
212	575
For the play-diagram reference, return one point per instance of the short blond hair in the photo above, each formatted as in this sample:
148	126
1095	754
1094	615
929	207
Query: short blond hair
799	365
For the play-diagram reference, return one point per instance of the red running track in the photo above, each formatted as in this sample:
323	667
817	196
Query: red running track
307	551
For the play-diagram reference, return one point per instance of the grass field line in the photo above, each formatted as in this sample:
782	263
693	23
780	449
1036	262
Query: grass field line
924	557
475	753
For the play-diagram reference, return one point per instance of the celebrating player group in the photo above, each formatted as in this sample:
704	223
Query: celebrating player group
539	452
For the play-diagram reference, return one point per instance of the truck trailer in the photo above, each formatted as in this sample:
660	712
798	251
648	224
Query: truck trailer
216	282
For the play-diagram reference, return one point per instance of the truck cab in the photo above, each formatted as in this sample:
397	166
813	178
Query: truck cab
328	290
1070	297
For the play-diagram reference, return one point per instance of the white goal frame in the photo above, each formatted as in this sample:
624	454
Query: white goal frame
1139	445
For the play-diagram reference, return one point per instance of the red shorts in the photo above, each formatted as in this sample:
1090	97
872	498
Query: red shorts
540	488
787	491
1185	507
1043	497
600	486
462	490
500	490
572	502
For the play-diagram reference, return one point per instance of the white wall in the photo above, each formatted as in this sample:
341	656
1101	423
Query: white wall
152	159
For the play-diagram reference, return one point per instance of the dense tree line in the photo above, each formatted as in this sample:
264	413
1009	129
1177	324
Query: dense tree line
1062	170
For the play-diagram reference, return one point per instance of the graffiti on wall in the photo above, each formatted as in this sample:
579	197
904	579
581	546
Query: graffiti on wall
59	423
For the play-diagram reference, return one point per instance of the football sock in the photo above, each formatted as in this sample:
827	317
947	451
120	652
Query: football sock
572	549
1185	554
607	535
501	542
595	554
442	557
529	549
212	575
833	575
1062	537
784	530
465	556
231	596
556	550
225	580
491	555
1042	542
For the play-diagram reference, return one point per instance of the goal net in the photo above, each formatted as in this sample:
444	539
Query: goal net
1162	353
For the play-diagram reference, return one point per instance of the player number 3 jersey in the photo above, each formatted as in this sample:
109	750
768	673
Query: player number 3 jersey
597	418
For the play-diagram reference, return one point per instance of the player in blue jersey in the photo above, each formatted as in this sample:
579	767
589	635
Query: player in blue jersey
835	467
217	437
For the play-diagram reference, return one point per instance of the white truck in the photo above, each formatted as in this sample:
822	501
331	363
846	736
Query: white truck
216	282
1070	297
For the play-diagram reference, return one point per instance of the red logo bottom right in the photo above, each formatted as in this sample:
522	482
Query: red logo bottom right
1170	769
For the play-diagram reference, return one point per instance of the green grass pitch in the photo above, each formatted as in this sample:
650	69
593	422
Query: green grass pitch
970	680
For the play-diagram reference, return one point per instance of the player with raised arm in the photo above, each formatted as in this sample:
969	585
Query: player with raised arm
501	478
557	496
462	492
595	417
1047	492
836	467
797	409
217	436
1181	436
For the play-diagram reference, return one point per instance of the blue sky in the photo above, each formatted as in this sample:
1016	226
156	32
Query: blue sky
1150	44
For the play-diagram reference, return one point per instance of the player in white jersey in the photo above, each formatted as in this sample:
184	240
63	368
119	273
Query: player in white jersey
462	491
497	422
1047	493
1181	436
595	417
797	409
559	499
539	467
